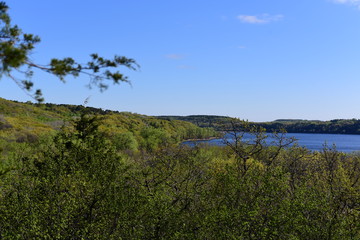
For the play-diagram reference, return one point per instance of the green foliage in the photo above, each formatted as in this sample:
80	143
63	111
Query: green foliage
110	175
153	138
16	47
65	190
341	126
80	184
27	121
221	123
125	141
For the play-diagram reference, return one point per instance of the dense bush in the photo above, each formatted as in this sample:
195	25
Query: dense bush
82	184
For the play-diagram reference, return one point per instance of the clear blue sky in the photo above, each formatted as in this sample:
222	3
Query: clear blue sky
257	59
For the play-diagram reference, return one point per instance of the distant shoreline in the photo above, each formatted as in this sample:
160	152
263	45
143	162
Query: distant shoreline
219	123
200	139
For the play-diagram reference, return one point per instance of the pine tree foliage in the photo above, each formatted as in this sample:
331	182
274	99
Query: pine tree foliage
17	46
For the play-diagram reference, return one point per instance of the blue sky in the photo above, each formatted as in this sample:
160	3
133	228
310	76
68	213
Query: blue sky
257	59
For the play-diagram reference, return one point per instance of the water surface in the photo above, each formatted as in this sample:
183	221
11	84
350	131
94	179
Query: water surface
312	141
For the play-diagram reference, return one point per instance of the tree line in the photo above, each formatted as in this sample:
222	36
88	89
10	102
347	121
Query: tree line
221	123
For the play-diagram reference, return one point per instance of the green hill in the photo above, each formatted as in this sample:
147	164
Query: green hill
26	122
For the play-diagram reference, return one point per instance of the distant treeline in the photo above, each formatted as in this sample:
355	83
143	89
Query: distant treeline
212	121
221	123
337	126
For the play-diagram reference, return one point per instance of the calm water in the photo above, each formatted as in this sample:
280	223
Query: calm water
314	142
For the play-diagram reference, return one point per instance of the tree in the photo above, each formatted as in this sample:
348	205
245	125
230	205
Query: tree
16	47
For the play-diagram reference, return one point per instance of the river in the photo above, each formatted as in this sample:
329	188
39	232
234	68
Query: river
312	141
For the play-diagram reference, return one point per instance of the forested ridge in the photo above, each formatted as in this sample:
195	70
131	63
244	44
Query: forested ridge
24	122
220	123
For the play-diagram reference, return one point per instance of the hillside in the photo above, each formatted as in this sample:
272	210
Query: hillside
26	122
212	121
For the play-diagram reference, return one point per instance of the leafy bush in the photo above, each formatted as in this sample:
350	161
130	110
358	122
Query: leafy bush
78	185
